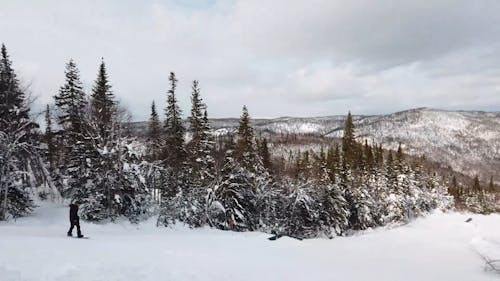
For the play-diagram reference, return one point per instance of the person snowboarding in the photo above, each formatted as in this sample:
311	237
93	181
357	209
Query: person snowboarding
74	219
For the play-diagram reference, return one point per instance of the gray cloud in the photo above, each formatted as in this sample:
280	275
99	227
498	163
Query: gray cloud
279	57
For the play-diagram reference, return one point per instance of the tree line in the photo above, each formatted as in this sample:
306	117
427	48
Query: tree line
190	174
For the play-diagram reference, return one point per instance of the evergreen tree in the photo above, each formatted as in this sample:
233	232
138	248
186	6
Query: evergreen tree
174	153
303	212
362	208
196	120
233	203
18	143
13	104
74	141
103	105
349	145
107	171
154	133
334	211
201	144
71	104
245	151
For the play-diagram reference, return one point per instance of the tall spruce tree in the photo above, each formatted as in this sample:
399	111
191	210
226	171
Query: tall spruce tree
245	150
154	133
13	103
74	137
18	143
71	103
174	153
349	142
103	106
196	118
200	148
114	187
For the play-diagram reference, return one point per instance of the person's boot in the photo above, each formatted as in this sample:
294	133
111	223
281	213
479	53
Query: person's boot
80	235
70	234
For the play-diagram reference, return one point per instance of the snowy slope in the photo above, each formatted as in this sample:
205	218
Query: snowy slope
440	247
467	141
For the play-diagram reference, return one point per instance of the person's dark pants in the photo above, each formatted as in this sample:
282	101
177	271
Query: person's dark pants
74	223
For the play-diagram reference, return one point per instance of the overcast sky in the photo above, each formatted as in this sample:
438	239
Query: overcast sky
280	58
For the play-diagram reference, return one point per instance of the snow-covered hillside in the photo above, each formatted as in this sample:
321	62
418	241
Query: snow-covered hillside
439	247
467	141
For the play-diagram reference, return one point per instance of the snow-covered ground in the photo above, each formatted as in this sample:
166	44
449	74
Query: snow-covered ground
438	247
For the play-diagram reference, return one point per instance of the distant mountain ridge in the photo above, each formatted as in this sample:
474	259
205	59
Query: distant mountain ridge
467	141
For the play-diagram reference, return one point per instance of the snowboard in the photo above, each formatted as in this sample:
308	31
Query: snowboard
76	237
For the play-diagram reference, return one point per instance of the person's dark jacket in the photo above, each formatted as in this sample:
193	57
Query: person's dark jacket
73	212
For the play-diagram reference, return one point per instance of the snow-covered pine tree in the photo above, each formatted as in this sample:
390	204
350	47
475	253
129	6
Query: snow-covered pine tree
103	105
174	154
154	134
114	186
393	204
97	195
189	204
200	147
245	151
363	206
349	144
173	205
73	138
71	103
234	199
304	211
15	198
153	170
18	144
334	211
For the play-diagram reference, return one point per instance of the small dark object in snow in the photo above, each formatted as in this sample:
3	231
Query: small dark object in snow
277	236
469	220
